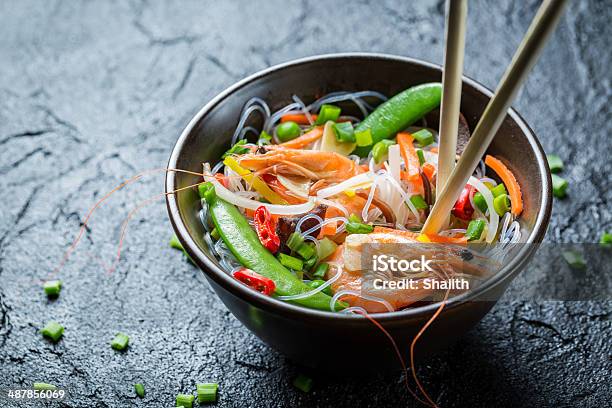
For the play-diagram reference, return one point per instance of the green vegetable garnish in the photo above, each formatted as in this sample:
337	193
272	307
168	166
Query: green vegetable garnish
53	331
480	202
238	149
140	390
399	112
327	112
294	241
264	138
475	229
310	262
303	383
574	259
287	131
321	270
559	186
43	387
606	239
290	262
364	138
52	288
555	163
419	202
499	190
207	392
344	132
381	150
355	226
184	400
318	282
421	156
215	234
120	342
307	250
326	248
424	137
501	204
176	244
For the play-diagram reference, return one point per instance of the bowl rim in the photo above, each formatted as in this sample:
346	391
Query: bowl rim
276	306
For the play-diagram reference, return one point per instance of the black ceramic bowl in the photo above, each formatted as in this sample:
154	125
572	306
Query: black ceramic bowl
324	339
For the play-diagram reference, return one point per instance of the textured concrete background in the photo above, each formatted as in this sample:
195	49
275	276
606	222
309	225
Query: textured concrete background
92	92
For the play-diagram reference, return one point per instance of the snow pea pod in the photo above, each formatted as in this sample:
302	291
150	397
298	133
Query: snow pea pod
399	112
243	242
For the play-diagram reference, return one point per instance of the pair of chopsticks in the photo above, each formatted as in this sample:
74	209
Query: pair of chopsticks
452	178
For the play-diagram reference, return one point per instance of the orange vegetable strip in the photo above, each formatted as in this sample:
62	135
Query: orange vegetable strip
408	153
429	170
514	190
298	118
304	140
441	239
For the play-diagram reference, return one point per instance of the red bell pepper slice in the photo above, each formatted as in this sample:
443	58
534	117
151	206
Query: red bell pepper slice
255	281
463	208
265	229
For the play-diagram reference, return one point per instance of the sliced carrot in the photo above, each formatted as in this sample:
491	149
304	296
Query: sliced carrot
304	140
411	160
516	198
429	170
298	118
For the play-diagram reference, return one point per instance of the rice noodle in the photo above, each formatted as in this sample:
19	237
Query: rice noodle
345	292
493	217
253	105
217	167
298	226
345	185
346	96
488	180
303	109
394	162
275	117
244	202
324	286
366	207
334	204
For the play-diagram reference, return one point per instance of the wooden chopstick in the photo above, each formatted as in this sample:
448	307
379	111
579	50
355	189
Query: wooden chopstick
539	31
456	14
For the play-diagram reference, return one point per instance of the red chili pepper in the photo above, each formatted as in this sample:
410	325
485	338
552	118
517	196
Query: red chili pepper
265	229
255	281
463	208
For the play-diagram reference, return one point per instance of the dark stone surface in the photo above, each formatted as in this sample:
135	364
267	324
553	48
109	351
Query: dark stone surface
94	92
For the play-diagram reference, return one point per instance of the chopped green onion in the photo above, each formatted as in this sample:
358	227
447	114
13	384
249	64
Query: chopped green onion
43	387
555	163
299	274
326	248
52	288
421	156
354	218
574	259
310	262
215	234
307	250
120	342
303	383
327	112
381	150
356	227
419	202
290	262
474	230
344	132
364	138
53	330
606	239
501	204
207	392
175	243
424	137
238	149
321	270
140	391
264	138
498	190
185	400
206	190
559	186
294	241
480	202
287	131
318	282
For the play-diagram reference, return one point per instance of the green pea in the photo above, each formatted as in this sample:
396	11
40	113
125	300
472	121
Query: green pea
287	131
